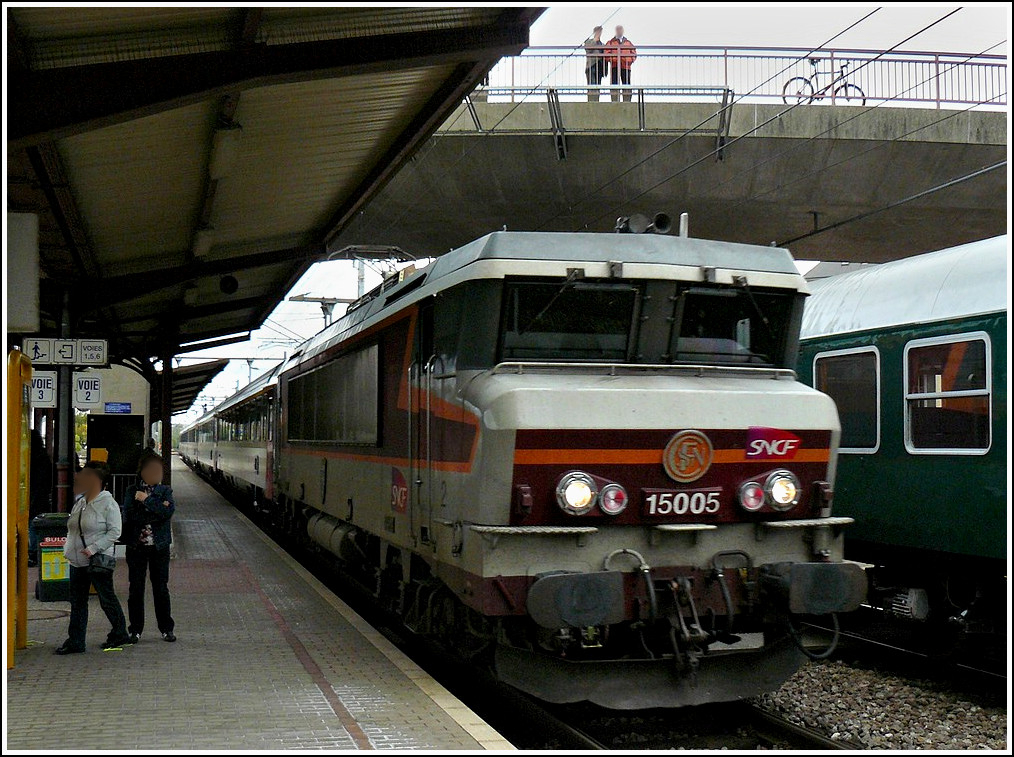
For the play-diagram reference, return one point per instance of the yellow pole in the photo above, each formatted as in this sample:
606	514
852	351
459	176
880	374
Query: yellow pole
12	510
19	382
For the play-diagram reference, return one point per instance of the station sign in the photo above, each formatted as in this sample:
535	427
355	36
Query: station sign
87	391
39	351
64	351
43	389
93	352
117	408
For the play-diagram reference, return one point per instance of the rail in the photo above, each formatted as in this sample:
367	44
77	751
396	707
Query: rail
936	79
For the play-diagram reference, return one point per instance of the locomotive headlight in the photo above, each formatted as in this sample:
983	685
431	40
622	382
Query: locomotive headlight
576	492
751	496
782	488
613	499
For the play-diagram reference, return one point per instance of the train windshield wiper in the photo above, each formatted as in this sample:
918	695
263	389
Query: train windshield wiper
740	281
568	282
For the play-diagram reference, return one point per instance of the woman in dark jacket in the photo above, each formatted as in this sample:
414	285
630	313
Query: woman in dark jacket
148	506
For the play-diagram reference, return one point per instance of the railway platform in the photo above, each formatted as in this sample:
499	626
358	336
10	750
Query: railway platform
266	658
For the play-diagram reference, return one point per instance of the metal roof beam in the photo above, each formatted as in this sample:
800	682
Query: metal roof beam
251	22
48	167
185	314
245	337
55	103
114	290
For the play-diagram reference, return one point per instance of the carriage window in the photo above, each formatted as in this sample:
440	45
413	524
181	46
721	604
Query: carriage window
947	398
852	380
337	402
568	321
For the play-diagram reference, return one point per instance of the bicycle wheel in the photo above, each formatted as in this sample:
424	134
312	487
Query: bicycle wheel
797	91
849	94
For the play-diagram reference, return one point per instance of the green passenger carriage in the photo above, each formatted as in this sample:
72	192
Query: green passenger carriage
914	353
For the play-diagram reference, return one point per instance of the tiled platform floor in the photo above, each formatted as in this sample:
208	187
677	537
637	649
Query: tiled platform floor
267	658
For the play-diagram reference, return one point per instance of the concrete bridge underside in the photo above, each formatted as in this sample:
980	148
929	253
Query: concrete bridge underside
835	162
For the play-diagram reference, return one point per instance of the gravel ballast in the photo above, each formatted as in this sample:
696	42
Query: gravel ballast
879	710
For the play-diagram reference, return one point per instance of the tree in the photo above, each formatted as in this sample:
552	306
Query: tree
80	432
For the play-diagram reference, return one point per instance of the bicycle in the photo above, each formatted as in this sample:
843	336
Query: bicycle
800	89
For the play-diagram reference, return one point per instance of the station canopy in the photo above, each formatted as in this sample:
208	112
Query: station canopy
188	382
188	164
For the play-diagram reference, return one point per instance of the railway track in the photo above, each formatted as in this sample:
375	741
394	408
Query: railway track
739	726
533	725
861	643
778	730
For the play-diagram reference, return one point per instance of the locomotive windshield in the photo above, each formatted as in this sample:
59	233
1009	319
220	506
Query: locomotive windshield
648	322
731	326
572	321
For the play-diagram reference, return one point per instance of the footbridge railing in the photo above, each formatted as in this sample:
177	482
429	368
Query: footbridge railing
790	75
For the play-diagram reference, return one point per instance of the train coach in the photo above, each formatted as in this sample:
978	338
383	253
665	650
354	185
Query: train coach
584	458
914	353
234	443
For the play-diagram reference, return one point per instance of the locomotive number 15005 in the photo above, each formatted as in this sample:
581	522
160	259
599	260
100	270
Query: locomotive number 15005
694	502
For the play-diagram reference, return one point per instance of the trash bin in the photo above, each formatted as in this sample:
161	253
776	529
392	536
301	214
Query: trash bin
54	570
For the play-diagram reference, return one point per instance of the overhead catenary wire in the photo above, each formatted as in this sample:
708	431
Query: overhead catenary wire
762	124
796	145
854	156
282	329
696	127
896	203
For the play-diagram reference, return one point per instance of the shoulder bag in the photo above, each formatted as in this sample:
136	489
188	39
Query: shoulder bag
97	563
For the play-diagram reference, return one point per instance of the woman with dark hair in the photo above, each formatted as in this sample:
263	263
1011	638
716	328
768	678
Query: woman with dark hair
92	529
148	506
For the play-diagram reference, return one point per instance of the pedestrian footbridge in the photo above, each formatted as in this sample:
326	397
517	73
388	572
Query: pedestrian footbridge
918	163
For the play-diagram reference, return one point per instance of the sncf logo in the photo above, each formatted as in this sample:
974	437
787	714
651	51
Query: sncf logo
771	444
687	456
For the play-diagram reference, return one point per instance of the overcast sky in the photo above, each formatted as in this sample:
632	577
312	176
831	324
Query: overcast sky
972	29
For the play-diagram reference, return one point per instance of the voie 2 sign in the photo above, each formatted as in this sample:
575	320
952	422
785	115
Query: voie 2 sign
87	390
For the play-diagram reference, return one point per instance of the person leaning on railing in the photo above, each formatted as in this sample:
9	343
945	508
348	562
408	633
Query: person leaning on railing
595	63
622	54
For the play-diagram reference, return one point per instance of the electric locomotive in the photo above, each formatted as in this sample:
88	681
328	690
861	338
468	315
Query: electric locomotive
914	353
583	458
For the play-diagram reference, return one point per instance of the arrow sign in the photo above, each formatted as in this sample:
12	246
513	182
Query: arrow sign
64	350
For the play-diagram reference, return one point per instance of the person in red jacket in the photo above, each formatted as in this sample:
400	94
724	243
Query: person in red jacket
621	55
